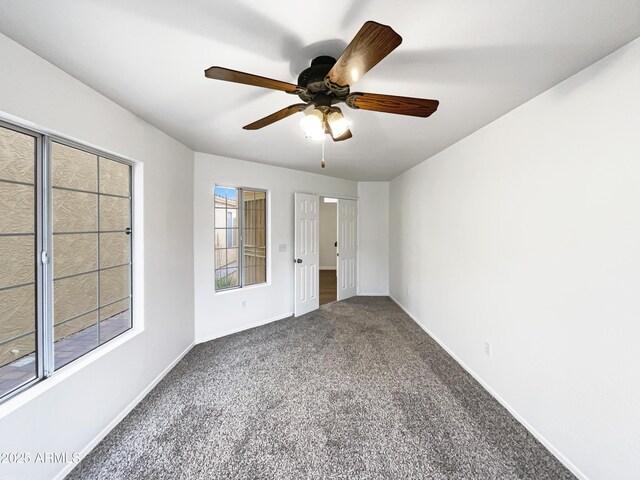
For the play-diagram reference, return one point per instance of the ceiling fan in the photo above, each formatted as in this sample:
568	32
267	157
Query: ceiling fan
327	82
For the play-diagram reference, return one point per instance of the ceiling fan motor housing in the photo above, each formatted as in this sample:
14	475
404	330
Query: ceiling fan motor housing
313	79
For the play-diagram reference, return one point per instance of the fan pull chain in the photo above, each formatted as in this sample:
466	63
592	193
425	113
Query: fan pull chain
322	161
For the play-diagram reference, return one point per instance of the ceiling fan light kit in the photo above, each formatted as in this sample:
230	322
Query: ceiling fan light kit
328	81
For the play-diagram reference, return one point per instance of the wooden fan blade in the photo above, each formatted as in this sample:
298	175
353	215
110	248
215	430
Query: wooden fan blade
274	117
416	107
370	45
220	73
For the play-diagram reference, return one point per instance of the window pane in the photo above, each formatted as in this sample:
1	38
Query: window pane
221	238
232	218
74	253
18	363
74	338
114	284
74	211
114	249
114	213
114	320
74	296
232	237
220	220
16	258
16	208
254	236
232	278
17	156
73	168
232	258
89	306
114	177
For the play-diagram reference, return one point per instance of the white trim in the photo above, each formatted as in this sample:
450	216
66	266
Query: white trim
244	327
373	294
60	375
105	431
548	445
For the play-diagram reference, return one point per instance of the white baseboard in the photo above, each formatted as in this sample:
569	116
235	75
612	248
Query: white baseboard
554	451
244	327
373	294
327	268
105	431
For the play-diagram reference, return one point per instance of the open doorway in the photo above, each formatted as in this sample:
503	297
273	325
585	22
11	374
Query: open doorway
328	249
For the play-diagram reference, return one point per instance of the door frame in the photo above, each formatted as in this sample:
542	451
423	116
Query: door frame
339	197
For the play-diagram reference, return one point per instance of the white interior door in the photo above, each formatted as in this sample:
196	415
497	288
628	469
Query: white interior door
347	248
307	256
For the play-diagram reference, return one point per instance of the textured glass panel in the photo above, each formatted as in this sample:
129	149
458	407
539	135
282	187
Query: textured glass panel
16	208
74	296
17	257
114	177
73	168
114	213
114	249
74	211
260	196
114	284
17	312
220	238
74	254
17	156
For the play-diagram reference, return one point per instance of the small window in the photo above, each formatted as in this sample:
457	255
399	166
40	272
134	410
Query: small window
240	237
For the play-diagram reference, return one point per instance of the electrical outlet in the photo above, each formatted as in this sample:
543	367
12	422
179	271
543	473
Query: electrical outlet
487	348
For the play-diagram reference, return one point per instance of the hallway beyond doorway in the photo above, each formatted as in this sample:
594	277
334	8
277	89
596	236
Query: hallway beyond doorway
328	286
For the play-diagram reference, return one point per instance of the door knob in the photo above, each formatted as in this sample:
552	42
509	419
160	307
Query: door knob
298	260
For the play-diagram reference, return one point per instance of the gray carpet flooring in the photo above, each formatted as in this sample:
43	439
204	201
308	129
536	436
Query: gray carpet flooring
355	390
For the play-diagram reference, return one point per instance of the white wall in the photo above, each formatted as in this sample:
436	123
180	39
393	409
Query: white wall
373	238
218	314
328	234
526	234
65	413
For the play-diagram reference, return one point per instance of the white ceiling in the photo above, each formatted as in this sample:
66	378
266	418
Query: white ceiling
479	58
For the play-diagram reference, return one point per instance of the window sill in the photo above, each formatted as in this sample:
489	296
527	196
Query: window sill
44	384
242	289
